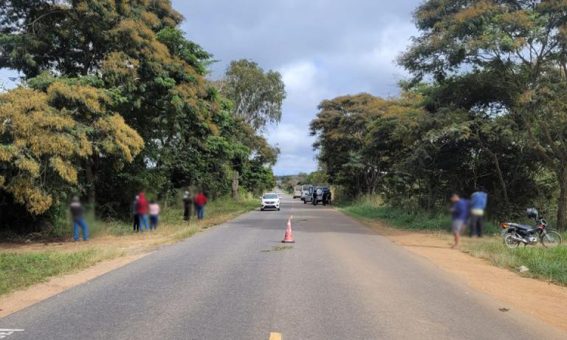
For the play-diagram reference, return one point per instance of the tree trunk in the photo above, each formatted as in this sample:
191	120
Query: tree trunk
562	202
500	178
235	184
91	190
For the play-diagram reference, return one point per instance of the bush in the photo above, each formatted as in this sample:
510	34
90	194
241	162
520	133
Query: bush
373	208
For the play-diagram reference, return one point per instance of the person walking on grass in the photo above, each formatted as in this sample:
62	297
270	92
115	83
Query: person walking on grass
479	200
459	214
142	211
154	215
200	202
77	213
136	225
187	202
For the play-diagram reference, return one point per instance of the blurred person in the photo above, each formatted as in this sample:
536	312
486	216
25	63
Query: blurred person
154	215
314	198
479	200
187	203
136	226
459	216
142	211
200	202
77	213
327	197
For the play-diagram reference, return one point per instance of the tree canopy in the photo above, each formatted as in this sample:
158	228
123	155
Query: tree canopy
485	107
520	47
257	95
124	85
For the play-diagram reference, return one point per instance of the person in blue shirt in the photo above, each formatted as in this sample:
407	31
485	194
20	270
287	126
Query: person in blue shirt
459	216
479	199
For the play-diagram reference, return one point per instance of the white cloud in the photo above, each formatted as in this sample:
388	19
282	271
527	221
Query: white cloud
306	86
322	48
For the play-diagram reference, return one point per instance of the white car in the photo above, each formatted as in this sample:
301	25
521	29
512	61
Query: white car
297	191
270	201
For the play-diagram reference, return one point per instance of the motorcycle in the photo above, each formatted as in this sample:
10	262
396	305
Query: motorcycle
515	234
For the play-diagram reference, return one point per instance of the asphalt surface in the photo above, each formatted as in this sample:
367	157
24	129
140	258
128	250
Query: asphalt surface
235	281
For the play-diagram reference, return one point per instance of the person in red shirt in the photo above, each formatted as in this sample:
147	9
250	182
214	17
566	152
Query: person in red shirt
142	210
200	201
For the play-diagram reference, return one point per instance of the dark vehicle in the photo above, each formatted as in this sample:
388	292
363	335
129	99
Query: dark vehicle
321	195
515	234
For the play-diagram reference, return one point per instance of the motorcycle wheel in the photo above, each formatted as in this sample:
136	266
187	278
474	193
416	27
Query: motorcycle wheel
510	241
551	239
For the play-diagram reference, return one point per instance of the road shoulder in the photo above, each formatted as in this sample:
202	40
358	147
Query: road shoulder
542	300
128	249
18	300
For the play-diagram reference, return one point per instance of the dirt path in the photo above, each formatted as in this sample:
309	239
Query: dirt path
545	301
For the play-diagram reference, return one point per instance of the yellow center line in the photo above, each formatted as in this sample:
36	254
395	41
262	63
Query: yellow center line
275	336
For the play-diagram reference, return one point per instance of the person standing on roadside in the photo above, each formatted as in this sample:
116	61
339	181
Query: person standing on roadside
136	225
187	202
200	202
459	214
77	213
479	200
326	196
142	211
315	196
154	215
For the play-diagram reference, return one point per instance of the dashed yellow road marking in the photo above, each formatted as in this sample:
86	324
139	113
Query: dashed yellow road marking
275	336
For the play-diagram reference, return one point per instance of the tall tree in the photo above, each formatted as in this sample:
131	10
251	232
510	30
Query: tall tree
257	95
360	138
524	43
131	59
43	145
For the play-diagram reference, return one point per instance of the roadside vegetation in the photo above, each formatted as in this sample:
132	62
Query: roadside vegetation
25	264
484	107
545	264
22	269
542	263
114	100
373	208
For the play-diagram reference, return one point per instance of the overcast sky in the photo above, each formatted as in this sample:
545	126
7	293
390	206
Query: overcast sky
323	48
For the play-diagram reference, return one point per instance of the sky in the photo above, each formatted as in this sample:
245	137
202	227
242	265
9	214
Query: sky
322	48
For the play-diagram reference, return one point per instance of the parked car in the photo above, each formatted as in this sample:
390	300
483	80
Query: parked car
322	195
297	191
306	193
270	201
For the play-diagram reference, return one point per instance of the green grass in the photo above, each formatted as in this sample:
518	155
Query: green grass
21	270
545	264
371	208
171	218
24	268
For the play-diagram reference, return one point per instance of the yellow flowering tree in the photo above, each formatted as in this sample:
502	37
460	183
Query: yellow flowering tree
47	137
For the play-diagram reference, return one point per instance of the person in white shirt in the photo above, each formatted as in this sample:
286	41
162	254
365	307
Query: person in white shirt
154	215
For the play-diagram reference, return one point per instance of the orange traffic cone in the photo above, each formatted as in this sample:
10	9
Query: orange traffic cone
288	238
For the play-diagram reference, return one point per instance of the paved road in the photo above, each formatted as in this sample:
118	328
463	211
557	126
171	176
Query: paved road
339	281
